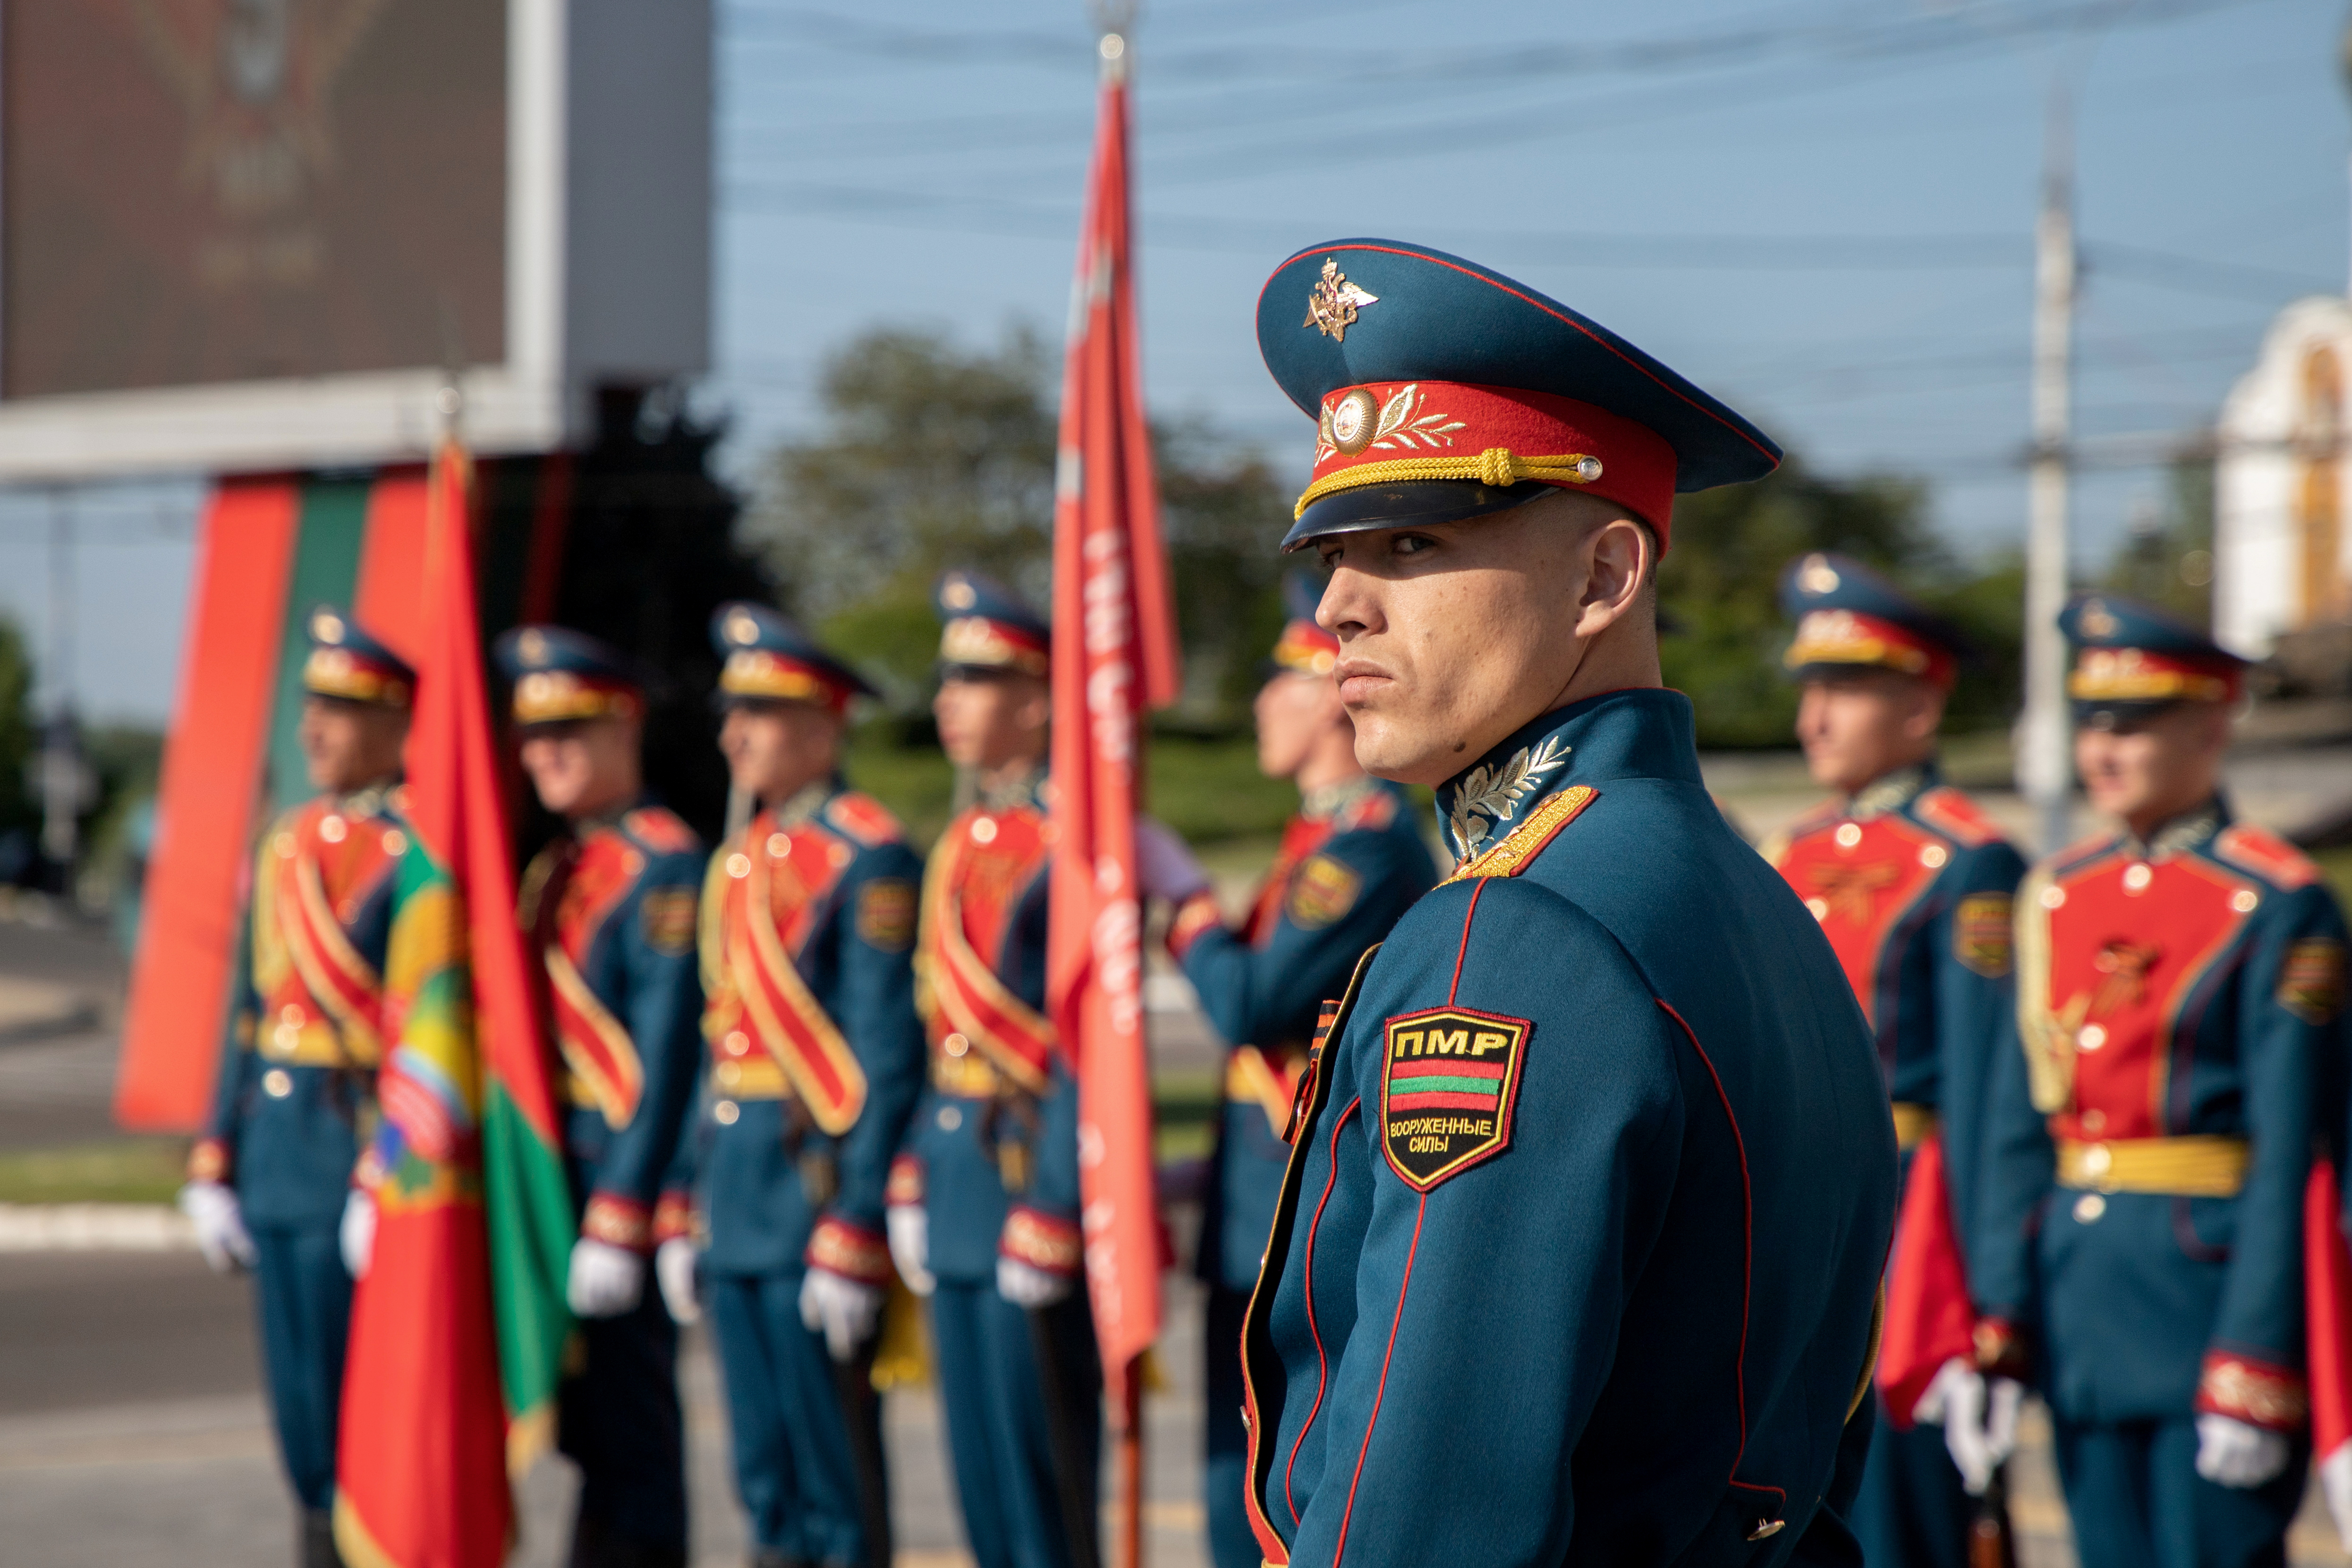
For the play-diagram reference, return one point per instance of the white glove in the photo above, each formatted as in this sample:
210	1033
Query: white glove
1955	1400
606	1281
356	1235
1163	865
2006	1398
845	1309
909	1227
2336	1481
219	1220
2233	1454
1026	1285
674	1265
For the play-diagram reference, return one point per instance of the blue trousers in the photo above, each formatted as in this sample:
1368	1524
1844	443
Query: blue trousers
792	1449
1912	1511
1224	1469
999	1440
2138	1502
617	1418
305	1301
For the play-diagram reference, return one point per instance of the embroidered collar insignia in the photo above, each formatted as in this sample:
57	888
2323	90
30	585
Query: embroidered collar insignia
1332	304
1489	794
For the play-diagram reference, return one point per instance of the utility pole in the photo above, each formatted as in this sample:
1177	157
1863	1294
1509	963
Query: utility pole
2044	763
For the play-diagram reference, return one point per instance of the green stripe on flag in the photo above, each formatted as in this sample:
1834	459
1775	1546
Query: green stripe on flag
1450	1085
326	570
531	1232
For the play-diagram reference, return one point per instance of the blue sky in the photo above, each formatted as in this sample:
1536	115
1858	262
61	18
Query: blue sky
1820	209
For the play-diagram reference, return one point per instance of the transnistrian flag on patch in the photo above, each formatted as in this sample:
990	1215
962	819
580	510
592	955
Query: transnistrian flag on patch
457	1329
1447	1083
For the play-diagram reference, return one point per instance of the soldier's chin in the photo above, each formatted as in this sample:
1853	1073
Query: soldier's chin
1389	745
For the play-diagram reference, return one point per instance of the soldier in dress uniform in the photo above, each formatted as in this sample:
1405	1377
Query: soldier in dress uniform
984	1198
1576	1255
609	908
1352	860
278	1173
1912	884
2180	984
808	933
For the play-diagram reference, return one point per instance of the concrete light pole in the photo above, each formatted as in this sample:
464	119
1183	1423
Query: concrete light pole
2045	763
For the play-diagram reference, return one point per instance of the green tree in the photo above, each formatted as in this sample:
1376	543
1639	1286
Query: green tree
1718	594
19	736
932	454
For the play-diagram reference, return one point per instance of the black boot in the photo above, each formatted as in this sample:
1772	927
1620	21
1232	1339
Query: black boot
315	1540
596	1544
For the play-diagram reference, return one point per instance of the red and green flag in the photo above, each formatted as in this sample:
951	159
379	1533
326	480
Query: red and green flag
458	1331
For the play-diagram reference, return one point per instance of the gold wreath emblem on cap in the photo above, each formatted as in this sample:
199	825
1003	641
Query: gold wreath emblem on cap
1817	575
2097	621
1332	304
958	594
741	628
327	626
533	646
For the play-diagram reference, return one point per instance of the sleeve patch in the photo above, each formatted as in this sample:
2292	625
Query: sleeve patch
666	915
1449	1079
2311	981
1983	935
1322	890
886	914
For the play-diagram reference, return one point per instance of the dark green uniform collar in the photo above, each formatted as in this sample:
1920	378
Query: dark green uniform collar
1644	732
2193	828
1893	791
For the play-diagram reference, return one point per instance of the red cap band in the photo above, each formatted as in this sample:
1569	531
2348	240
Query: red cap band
1851	637
1393	432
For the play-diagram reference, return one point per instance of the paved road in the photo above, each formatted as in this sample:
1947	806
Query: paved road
133	1435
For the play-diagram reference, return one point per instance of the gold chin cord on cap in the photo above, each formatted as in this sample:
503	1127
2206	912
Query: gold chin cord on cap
1498	467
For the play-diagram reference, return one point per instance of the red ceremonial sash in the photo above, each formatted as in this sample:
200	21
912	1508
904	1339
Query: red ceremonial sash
968	998
1929	1319
343	986
596	1046
776	1006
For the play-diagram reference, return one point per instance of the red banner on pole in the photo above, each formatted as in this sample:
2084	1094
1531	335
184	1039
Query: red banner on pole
1114	656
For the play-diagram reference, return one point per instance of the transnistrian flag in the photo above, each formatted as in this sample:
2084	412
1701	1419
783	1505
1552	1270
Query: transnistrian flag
457	1329
1114	655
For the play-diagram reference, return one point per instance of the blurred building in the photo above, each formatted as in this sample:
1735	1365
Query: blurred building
2281	545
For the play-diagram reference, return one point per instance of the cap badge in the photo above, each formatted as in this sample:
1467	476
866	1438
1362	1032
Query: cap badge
1817	576
1358	420
2097	621
741	628
958	594
327	626
533	647
1331	305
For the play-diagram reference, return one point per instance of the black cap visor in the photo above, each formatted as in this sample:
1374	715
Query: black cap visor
2119	716
1416	503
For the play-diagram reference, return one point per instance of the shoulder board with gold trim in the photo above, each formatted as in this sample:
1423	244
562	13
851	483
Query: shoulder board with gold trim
864	819
2267	855
1953	814
1518	852
661	830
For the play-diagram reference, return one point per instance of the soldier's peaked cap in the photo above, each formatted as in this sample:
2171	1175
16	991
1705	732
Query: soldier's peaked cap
561	675
1847	616
765	656
985	627
1441	391
350	664
2131	659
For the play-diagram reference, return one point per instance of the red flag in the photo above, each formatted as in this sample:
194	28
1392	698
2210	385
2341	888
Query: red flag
1114	655
2327	1330
421	1475
1929	1319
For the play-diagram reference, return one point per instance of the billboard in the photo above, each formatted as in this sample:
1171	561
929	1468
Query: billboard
253	234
